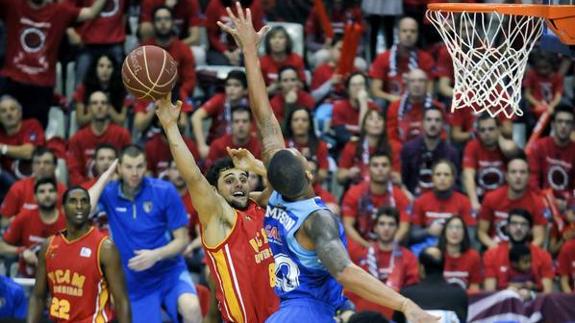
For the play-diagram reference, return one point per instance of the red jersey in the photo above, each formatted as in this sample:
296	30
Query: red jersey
243	296
392	76
497	265
345	114
428	209
325	196
75	279
158	153
406	125
187	13
463	270
321	154
31	132
28	230
552	166
543	87
220	111
271	67
33	39
218	147
566	261
277	102
489	166
359	203
82	146
108	27
349	158
323	73
21	197
496	205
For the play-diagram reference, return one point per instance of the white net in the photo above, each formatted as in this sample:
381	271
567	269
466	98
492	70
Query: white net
489	52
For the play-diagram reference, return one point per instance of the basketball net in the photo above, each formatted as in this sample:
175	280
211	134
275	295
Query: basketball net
489	52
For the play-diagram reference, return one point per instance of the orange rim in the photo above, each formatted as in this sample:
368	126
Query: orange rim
534	10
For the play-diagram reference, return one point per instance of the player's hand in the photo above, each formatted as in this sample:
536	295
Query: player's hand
243	31
111	171
168	113
143	260
415	314
242	158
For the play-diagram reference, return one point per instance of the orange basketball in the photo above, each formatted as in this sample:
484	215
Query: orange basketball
149	73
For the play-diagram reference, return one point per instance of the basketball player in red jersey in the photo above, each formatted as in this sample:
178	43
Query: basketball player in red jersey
80	267
233	237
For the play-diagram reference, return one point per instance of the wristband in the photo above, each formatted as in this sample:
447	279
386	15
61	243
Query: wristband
4	149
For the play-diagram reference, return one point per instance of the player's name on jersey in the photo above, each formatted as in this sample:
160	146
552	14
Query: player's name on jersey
66	282
282	217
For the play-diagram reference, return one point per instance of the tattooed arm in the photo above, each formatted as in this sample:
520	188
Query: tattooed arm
322	229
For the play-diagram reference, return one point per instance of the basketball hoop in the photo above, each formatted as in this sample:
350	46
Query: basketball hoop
490	44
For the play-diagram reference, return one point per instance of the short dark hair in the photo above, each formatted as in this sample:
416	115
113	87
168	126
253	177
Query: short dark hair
431	263
287	68
380	153
521	213
241	108
520	155
273	32
132	151
41	150
238	76
388	211
448	162
465	243
286	174
367	317
160	7
486	116
433	108
45	180
562	108
105	146
518	251
219	166
71	189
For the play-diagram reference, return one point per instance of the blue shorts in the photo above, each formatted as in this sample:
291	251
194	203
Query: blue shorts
303	311
149	307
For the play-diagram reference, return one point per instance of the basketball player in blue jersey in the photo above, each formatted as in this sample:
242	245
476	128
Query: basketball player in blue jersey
311	262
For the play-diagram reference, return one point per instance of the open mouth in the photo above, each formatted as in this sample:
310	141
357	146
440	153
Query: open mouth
239	194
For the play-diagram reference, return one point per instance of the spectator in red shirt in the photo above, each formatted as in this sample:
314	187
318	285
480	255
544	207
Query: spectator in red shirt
29	229
543	84
104	156
18	138
552	159
35	29
21	195
500	274
279	53
361	201
484	159
328	198
223	48
105	34
462	262
395	266
300	134
432	208
566	258
353	161
103	75
463	122
405	116
389	67
100	130
158	153
326	83
290	94
187	19
241	137
219	109
493	214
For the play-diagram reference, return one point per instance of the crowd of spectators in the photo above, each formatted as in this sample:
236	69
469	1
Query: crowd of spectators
403	172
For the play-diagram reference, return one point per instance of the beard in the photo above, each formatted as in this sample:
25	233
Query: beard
47	207
238	205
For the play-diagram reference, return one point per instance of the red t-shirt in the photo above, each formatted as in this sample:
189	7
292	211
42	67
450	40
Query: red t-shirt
219	39
218	148
326	196
359	203
489	166
108	27
496	205
345	114
497	265
219	110
410	125
323	73
394	84
552	166
543	88
158	153
82	146
31	132
566	261
187	13
270	67
28	230
465	118
348	157
463	270
428	208
20	197
33	39
321	153
277	102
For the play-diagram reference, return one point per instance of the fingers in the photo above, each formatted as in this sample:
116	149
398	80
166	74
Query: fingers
231	15
240	11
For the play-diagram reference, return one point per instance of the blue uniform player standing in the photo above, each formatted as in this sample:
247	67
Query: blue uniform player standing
311	262
148	224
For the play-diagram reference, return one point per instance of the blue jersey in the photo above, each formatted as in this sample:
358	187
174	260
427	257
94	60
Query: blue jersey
145	223
299	272
13	301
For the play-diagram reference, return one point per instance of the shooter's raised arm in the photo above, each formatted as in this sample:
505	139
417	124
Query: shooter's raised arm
248	39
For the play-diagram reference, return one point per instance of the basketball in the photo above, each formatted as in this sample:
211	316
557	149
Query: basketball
149	73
